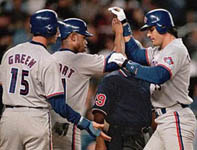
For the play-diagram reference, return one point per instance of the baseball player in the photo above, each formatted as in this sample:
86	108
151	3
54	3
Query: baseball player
31	80
124	102
77	67
167	64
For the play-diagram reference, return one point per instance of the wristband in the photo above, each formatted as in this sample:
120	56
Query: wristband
124	21
124	63
127	29
83	123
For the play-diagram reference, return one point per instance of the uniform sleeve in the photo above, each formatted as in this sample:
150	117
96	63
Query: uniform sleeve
52	81
91	64
172	61
104	97
136	52
149	55
63	109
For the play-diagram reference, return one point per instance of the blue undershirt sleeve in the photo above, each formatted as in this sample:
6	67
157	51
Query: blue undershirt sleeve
156	75
63	109
110	66
134	52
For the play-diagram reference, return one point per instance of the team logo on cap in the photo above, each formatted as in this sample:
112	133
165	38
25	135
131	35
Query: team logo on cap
154	18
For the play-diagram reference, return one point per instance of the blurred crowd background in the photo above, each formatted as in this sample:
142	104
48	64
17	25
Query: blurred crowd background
14	26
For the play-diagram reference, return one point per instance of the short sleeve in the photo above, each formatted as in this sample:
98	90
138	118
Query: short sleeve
173	60
149	52
104	97
90	64
52	81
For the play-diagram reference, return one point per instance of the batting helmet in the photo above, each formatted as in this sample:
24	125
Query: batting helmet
160	18
73	25
44	22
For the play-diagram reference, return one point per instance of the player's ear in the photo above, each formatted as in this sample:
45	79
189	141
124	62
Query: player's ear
73	36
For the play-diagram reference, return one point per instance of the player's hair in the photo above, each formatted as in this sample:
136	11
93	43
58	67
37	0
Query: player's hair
173	31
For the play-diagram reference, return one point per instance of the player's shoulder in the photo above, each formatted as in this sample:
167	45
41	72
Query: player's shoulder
77	56
177	44
90	56
117	76
177	47
12	49
152	49
15	47
113	74
49	60
91	61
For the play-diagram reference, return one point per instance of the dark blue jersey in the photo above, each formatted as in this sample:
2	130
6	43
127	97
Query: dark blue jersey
124	100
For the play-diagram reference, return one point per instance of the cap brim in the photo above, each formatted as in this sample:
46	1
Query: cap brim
88	34
144	28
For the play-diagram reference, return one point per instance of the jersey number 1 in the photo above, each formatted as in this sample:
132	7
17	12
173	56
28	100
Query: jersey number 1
24	82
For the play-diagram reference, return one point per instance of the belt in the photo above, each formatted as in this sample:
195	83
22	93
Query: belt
18	106
161	111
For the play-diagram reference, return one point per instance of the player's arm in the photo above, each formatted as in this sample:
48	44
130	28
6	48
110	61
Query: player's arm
157	74
99	118
93	128
110	66
52	75
119	44
102	106
133	50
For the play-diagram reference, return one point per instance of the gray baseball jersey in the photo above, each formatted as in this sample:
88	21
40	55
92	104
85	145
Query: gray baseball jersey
76	69
30	75
170	102
175	58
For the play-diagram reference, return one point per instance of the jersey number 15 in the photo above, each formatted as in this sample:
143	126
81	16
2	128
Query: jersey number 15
14	72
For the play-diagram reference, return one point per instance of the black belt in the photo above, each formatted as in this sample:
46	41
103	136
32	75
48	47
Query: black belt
18	106
163	110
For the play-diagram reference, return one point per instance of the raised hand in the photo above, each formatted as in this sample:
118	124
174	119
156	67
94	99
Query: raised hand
117	26
119	12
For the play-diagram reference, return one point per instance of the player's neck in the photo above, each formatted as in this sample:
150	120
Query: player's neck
68	45
40	39
167	40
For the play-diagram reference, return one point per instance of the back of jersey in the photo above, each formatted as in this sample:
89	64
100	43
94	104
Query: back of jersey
24	69
76	70
124	100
